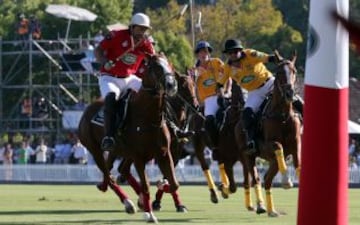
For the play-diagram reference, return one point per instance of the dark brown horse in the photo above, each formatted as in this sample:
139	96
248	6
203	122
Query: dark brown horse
200	141
230	154
279	129
145	135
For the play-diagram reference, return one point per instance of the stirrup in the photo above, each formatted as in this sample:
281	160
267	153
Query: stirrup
251	148
107	143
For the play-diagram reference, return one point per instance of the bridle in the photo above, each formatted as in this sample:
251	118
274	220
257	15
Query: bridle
286	71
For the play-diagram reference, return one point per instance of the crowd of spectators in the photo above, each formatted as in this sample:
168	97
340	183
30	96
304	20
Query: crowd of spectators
63	151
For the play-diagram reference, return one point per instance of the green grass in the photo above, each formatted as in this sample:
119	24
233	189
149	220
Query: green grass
84	204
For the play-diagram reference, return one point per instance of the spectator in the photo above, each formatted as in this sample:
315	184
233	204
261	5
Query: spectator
89	58
41	109
35	28
79	153
2	149
41	151
22	27
8	160
352	148
98	38
23	153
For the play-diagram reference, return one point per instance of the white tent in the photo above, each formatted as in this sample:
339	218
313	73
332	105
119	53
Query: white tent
353	128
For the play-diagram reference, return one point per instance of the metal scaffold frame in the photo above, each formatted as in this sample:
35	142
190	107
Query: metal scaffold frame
41	71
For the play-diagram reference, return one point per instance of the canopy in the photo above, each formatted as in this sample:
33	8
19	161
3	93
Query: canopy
70	13
354	128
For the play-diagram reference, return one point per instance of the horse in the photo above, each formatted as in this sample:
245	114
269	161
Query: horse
200	141
228	149
145	134
179	108
279	129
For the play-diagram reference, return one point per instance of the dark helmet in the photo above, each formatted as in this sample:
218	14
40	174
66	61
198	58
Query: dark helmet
203	44
232	44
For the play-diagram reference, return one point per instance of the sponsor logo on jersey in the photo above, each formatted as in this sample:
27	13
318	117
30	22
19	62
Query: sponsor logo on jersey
129	59
208	82
247	79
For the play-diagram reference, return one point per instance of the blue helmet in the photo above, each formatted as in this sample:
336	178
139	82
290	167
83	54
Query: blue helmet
203	44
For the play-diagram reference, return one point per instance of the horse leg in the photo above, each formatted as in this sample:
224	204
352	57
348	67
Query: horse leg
269	176
230	175
279	154
256	183
247	194
145	187
224	187
124	170
199	153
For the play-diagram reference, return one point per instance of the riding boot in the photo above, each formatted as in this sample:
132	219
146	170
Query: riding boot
248	119
109	122
211	131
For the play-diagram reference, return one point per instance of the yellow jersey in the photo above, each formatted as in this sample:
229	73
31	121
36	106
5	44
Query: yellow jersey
207	76
251	73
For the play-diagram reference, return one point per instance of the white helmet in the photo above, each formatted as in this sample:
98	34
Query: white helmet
140	19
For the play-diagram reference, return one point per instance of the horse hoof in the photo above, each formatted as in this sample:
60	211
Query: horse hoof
250	208
286	182
156	205
129	206
260	209
102	187
273	214
181	209
150	217
213	196
224	191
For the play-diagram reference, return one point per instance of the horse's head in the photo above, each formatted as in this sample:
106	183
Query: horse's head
187	90
285	74
160	75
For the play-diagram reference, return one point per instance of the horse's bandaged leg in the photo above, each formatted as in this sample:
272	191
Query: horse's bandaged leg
209	179
119	192
176	198
224	178
258	193
280	160
134	184
269	202
248	202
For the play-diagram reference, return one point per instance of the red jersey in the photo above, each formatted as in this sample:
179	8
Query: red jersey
141	70
115	44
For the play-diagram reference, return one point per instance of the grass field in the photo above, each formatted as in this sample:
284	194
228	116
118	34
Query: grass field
84	204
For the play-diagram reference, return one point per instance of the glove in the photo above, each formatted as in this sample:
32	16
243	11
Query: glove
108	65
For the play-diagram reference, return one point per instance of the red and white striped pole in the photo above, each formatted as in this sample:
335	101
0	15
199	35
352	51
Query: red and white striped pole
324	178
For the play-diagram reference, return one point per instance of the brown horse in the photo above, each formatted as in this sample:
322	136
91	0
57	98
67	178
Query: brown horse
279	129
179	109
145	135
228	149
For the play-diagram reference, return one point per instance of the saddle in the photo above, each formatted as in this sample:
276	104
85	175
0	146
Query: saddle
121	112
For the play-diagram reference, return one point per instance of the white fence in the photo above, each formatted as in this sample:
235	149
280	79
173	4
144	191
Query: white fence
90	173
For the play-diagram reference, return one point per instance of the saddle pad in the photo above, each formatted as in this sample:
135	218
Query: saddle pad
98	118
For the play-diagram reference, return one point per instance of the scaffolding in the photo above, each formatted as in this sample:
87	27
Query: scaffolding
40	80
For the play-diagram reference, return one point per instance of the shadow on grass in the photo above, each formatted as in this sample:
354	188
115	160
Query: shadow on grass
70	212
